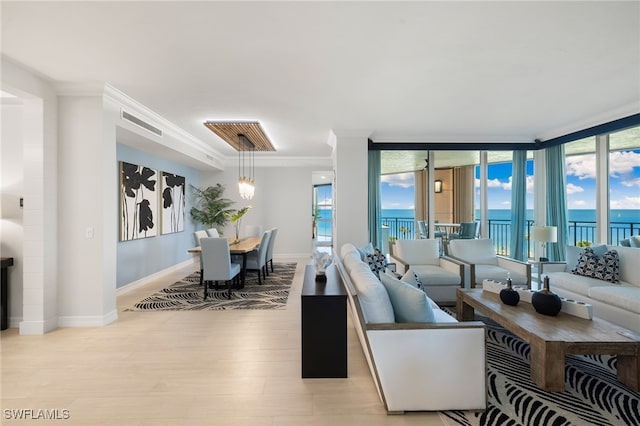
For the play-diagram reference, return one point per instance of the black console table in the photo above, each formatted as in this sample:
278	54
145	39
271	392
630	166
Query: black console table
4	292
324	325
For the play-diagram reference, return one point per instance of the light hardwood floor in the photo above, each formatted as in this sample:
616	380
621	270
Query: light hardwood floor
187	368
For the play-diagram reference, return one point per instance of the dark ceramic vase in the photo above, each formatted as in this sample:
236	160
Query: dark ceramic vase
508	295
546	302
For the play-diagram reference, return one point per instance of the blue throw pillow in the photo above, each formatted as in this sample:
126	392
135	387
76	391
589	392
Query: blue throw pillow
409	303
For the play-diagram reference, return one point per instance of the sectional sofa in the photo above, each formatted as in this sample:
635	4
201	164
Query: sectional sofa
416	366
619	302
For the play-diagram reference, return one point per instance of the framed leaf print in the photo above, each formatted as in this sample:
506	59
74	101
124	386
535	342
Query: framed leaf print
173	203
138	202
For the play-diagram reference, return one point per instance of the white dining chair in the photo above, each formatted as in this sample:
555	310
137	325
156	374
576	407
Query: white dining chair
257	259
197	236
269	255
252	231
212	232
217	264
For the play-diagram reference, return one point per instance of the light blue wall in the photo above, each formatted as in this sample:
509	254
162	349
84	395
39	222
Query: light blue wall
139	258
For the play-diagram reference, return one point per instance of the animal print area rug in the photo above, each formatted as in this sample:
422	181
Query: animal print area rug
188	295
592	396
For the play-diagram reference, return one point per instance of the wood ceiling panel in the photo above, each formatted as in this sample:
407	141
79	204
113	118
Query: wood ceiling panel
229	131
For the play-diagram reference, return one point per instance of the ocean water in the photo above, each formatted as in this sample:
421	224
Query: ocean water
575	215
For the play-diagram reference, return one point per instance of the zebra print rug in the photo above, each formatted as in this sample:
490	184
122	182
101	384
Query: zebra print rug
592	396
188	295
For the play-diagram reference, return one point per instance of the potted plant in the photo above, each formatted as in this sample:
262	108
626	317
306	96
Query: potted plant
235	218
210	207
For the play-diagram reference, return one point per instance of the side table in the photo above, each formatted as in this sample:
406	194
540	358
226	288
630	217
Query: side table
324	325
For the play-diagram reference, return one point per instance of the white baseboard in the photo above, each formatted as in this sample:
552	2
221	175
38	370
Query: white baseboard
38	327
149	278
88	320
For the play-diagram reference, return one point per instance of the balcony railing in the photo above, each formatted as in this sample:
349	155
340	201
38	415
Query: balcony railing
580	233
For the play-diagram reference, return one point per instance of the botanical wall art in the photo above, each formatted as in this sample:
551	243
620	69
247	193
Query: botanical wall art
173	203
138	202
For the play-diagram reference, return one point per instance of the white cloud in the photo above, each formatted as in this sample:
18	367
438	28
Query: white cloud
626	203
404	180
506	204
578	203
530	184
631	183
582	166
496	183
622	163
574	189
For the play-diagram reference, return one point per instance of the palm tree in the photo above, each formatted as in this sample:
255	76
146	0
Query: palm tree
211	209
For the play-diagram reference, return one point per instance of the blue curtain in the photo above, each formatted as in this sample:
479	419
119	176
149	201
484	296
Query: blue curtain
375	205
557	201
519	206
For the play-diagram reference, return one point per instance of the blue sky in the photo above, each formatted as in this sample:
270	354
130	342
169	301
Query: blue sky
397	190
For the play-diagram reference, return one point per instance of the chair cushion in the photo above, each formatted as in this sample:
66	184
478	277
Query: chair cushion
474	251
634	241
419	252
573	254
605	267
375	302
377	261
365	250
625	297
412	278
574	283
409	303
496	273
435	275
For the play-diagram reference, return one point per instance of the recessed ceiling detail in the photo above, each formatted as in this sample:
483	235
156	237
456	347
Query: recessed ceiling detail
229	131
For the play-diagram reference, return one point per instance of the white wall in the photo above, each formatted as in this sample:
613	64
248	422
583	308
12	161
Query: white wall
39	145
12	188
283	199
350	156
87	178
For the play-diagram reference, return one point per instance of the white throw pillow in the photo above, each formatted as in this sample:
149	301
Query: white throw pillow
409	303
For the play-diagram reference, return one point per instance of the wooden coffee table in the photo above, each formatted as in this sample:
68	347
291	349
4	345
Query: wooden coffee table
551	338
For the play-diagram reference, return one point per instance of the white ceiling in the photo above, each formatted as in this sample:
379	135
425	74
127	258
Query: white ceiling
414	71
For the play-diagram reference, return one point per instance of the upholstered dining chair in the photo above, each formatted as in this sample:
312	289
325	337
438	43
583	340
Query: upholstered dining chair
213	232
198	235
269	256
257	259
252	231
217	264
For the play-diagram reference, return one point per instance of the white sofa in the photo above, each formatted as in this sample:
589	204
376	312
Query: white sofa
440	275
415	366
618	303
483	263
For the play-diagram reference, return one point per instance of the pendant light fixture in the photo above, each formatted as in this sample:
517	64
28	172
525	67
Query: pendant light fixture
246	167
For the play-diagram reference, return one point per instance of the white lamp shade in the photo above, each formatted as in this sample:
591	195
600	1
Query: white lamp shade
545	234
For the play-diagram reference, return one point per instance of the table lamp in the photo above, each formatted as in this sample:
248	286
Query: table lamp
544	235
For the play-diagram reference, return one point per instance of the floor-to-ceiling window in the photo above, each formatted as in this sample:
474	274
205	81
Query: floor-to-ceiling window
322	214
580	166
397	195
624	184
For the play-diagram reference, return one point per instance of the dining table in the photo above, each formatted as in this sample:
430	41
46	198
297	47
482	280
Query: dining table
240	247
447	228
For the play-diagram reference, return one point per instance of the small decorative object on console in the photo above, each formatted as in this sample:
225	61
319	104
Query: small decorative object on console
321	261
545	301
508	295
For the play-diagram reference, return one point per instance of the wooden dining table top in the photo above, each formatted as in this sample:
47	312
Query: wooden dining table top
244	245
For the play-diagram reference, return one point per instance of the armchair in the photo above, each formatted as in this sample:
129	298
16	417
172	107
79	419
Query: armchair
440	275
483	263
